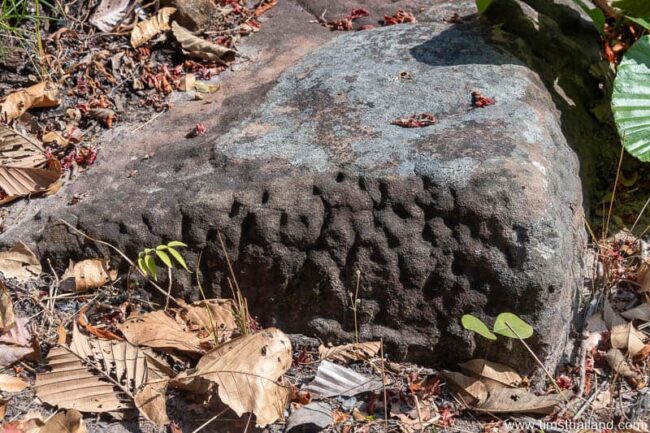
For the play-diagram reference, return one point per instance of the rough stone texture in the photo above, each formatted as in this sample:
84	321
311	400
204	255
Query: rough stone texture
193	14
308	182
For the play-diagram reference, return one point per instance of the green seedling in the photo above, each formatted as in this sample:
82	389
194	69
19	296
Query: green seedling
165	253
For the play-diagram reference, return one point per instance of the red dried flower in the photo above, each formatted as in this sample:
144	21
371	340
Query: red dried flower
480	101
415	121
399	17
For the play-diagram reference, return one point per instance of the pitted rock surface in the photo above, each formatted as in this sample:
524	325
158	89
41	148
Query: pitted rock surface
311	187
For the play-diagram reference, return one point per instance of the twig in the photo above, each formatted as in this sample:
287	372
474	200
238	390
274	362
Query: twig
582	358
417	408
383	386
205	424
611	203
154	117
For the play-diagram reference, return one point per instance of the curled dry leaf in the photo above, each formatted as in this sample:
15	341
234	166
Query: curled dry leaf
187	82
492	374
200	48
619	364
518	400
103	115
109	13
6	309
264	6
146	30
87	274
15	343
246	371
399	17
98	375
69	421
350	352
468	389
20	263
12	383
415	121
55	138
643	277
211	320
41	95
640	312
24	168
627	337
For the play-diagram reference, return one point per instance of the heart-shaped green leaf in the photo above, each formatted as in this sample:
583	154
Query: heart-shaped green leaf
510	325
474	324
631	99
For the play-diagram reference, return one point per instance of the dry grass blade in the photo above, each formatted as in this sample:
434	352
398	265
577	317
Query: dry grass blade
246	371
350	352
146	30
110	13
39	95
197	47
97	375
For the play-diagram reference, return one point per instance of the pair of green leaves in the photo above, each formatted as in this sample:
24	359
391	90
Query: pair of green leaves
147	261
506	324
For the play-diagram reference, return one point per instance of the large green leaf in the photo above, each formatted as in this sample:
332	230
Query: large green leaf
482	5
635	8
474	324
510	325
631	99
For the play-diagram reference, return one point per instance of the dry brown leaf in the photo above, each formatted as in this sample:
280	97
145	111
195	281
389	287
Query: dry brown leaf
518	400
61	335
246	371
31	423
113	376
350	352
24	168
41	95
468	389
640	312
187	82
643	277
492	374
197	47
264	7
20	263
3	408
611	317
146	30
15	343
619	364
205	318
6	309
109	13
55	138
12	383
88	274
627	337
158	330
69	421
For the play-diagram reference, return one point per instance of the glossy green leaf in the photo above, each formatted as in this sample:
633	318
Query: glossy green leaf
631	99
474	324
634	8
482	5
142	265
643	22
510	325
176	255
176	244
151	266
164	257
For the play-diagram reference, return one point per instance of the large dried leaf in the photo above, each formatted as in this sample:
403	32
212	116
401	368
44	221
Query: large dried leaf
492	374
69	421
159	330
113	376
20	263
197	47
6	309
518	400
12	383
468	389
246	371
350	352
109	13
640	312
627	337
146	30
24	169
39	95
88	274
333	380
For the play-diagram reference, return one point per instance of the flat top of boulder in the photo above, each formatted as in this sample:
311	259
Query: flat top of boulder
335	108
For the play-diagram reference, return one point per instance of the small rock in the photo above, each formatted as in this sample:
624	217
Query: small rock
192	14
310	419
